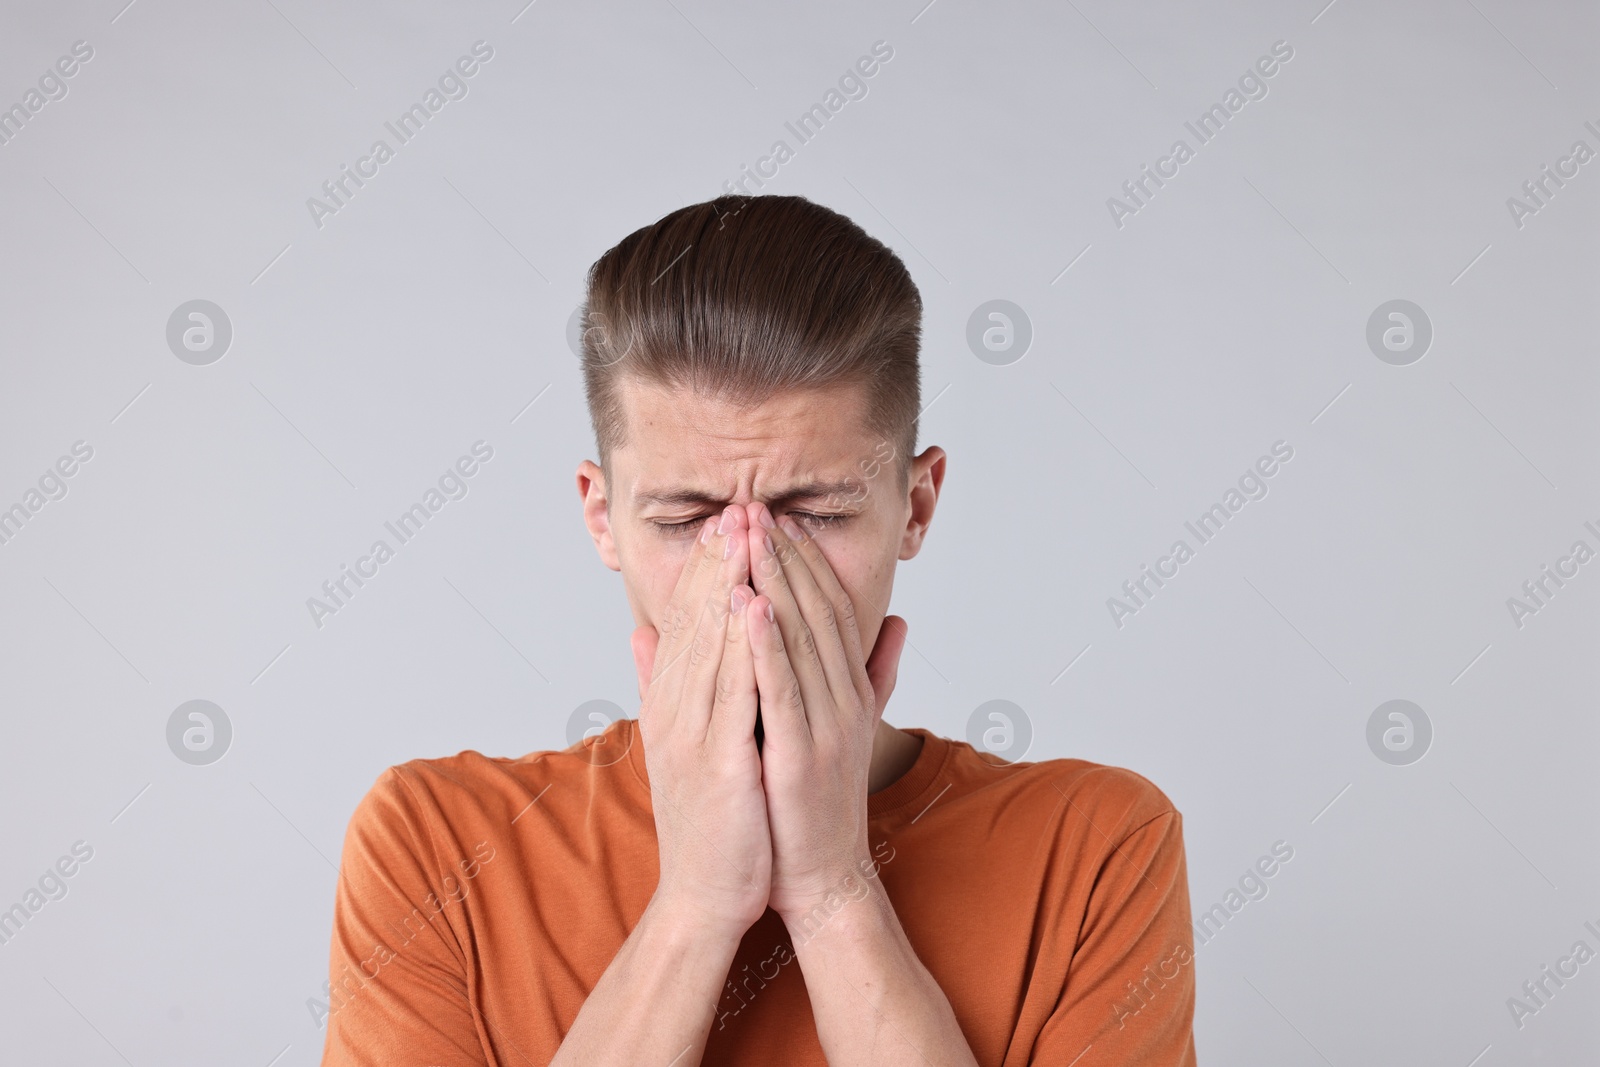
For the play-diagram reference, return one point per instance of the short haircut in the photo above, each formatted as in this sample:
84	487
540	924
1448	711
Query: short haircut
744	297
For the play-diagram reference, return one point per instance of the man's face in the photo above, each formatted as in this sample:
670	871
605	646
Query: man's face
711	454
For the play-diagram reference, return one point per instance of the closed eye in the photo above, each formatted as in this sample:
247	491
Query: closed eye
678	529
819	520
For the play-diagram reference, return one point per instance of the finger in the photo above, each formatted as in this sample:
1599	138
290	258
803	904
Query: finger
702	659
783	712
659	689
842	655
844	609
809	623
733	709
883	666
682	610
681	618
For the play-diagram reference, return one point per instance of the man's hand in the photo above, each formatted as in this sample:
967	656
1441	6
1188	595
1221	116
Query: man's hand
697	689
873	1001
820	708
656	1000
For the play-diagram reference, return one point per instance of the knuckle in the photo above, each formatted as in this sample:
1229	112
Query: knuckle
846	611
828	618
727	691
805	642
675	620
790	693
701	649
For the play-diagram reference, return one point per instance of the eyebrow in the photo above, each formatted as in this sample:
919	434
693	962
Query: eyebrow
806	491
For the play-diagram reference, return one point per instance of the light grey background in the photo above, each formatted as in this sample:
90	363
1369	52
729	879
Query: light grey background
1229	313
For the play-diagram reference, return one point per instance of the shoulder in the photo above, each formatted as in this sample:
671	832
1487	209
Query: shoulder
470	793
468	778
1108	795
1100	802
411	807
1115	842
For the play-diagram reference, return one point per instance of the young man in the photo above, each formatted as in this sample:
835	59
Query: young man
760	869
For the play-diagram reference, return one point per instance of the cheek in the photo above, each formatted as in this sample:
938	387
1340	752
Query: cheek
666	563
860	566
855	574
651	572
862	573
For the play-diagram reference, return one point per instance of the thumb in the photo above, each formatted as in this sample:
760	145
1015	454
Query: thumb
644	642
883	666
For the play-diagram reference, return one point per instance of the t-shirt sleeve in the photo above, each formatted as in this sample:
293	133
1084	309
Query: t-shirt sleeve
397	972
1129	996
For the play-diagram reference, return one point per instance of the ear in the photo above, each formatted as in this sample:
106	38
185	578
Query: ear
592	491
925	477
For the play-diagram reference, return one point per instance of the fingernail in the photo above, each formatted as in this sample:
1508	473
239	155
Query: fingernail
727	547
707	530
768	539
768	611
764	516
792	528
727	524
735	600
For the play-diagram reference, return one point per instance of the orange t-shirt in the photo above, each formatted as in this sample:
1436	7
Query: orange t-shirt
480	899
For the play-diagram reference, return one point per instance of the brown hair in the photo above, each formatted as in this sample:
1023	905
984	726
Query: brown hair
743	297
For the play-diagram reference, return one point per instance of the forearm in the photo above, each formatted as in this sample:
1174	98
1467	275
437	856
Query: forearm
872	999
655	1002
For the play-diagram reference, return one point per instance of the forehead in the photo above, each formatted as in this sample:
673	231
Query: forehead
679	442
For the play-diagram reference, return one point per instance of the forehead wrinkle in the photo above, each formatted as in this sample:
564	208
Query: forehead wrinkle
739	445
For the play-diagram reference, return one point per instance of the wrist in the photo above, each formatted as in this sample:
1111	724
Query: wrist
853	900
860	934
673	921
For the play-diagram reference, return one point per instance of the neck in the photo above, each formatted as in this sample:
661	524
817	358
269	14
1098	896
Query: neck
893	753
